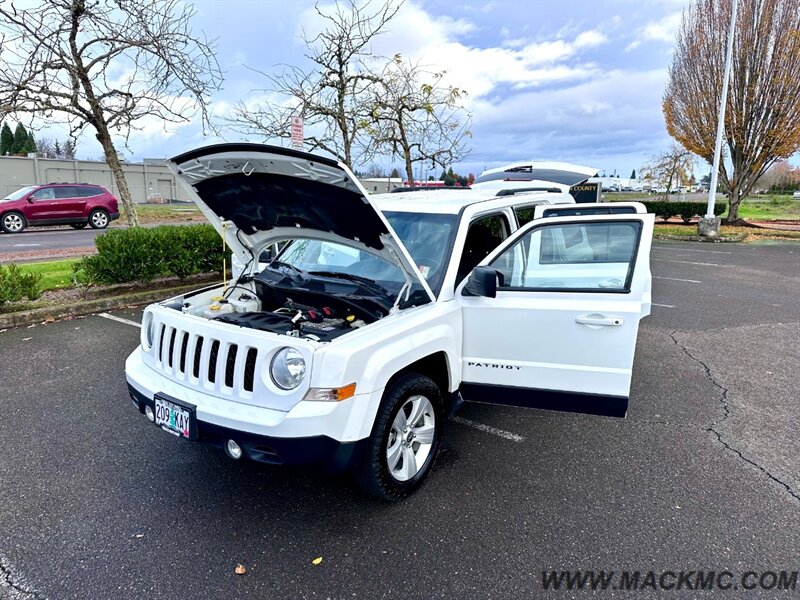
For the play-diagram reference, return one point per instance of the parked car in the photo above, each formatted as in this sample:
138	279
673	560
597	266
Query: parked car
796	195
75	204
381	314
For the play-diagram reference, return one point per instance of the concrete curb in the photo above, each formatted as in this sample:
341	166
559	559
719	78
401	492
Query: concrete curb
88	307
696	238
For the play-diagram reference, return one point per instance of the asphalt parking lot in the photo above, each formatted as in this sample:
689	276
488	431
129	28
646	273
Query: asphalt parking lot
704	473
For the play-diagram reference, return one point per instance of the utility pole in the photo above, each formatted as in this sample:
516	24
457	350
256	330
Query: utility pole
709	225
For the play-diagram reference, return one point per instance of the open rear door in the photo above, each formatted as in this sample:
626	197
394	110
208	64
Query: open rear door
560	332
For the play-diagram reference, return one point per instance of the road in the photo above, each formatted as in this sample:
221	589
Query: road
38	239
703	474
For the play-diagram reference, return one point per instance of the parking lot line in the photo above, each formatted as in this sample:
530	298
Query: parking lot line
662	305
119	319
678	279
676	249
507	435
686	262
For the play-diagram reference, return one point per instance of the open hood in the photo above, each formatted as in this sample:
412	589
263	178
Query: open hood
533	173
255	195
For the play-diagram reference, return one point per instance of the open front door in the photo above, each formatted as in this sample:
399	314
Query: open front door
560	331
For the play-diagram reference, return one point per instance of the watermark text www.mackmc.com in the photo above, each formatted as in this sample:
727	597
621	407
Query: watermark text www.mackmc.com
670	580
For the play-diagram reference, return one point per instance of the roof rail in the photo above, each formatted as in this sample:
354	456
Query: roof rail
514	191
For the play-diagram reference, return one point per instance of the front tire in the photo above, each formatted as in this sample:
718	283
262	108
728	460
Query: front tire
405	438
13	222
99	219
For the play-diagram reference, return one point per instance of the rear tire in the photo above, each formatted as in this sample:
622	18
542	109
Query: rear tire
99	219
13	222
405	438
78	225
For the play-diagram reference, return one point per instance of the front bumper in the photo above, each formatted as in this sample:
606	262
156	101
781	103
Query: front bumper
330	434
316	450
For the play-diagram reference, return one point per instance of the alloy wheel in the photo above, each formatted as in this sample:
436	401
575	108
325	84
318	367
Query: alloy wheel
13	223
411	438
99	219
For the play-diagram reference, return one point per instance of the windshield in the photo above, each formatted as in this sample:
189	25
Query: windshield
330	259
20	193
428	237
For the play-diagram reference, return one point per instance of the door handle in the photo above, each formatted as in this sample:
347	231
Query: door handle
599	320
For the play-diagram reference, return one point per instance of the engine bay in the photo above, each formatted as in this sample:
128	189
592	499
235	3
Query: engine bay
320	312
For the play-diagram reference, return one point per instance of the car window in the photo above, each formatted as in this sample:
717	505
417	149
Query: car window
572	257
428	237
67	191
524	214
89	190
483	236
47	193
20	193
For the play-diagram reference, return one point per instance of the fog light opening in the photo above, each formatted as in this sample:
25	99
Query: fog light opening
233	450
148	412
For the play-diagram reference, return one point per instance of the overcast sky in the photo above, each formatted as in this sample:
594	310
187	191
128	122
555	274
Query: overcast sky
570	80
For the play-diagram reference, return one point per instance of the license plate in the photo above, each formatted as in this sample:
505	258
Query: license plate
174	417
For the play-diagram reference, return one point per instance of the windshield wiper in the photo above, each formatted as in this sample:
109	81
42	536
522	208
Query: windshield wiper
356	278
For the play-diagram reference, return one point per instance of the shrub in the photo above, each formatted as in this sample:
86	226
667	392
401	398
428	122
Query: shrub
664	209
16	285
142	254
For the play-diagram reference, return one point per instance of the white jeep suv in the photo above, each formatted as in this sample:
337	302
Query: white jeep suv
352	345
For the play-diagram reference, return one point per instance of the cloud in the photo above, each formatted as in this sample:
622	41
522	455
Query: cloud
663	30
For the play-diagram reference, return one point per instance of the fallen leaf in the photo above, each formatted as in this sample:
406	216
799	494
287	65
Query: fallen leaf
31	326
26	339
240	570
139	536
49	320
316	561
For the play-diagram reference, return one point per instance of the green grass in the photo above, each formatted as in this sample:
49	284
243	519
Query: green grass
56	274
768	208
727	231
160	213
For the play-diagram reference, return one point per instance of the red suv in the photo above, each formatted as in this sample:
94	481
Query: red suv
75	204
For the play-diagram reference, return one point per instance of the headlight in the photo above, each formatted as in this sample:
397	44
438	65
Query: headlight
148	331
287	368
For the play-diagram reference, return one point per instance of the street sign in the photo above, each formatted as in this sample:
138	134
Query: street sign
297	133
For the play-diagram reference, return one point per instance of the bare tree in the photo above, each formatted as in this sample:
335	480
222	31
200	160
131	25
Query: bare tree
46	148
106	65
671	169
331	95
762	120
414	116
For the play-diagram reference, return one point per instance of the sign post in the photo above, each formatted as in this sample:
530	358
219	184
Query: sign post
297	133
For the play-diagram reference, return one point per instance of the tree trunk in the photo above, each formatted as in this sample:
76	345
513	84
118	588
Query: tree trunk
733	206
409	169
112	159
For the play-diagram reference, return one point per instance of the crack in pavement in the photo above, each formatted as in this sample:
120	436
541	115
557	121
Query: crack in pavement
713	427
8	582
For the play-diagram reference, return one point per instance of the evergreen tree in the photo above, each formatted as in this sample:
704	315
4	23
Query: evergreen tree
6	140
20	140
30	145
57	150
633	174
69	149
395	173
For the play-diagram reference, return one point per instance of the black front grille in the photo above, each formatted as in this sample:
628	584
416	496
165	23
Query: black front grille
230	365
171	347
184	345
212	361
198	350
249	369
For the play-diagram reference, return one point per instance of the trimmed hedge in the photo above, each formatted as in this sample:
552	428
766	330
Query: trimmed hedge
145	253
16	285
685	210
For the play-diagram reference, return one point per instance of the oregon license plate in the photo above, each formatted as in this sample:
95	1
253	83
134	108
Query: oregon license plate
175	417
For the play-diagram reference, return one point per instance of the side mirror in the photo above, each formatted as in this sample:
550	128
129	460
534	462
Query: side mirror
482	282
